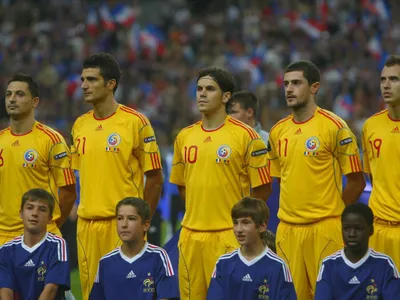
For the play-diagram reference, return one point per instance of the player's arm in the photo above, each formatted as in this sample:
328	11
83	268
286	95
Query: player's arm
323	290
215	289
49	292
365	152
178	169
97	292
257	166
391	289
150	161
6	294
166	280
285	287
346	151
60	166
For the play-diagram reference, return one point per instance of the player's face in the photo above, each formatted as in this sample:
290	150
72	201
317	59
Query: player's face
297	89
246	231
356	232
240	113
95	89
129	224
210	98
35	216
390	84
19	100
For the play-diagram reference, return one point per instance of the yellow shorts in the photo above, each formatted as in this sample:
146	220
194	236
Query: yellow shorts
6	236
303	247
198	253
386	239
95	238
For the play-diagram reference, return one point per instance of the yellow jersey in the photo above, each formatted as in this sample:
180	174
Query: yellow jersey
38	159
217	168
381	157
310	158
112	155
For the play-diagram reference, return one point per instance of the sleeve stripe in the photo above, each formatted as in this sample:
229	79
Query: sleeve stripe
155	161
52	135
68	176
286	271
133	112
250	131
389	260
152	161
321	270
325	114
164	257
355	163
61	246
263	172
262	176
351	163
72	176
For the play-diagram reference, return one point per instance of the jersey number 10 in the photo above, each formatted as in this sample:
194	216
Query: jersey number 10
191	154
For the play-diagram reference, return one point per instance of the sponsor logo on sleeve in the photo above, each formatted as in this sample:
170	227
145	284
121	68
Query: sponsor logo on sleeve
259	152
346	141
60	155
150	139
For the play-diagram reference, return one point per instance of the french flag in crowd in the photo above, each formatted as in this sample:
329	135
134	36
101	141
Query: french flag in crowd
152	41
380	8
313	28
106	18
374	47
92	23
124	15
73	89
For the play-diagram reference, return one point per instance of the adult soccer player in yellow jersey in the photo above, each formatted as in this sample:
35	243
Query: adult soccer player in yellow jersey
381	145
32	155
113	148
309	151
216	161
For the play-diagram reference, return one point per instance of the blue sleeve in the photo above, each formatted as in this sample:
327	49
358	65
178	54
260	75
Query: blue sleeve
166	280
215	290
6	271
285	288
323	289
58	270
391	288
97	292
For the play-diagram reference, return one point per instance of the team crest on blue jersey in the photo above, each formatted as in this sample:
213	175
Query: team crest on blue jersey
312	145
30	157
113	140
223	153
148	284
41	271
372	290
263	290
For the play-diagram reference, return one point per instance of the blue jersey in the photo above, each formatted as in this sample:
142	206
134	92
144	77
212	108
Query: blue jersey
264	277
27	270
373	277
148	275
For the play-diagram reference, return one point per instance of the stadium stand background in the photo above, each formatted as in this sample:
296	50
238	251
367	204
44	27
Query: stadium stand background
161	45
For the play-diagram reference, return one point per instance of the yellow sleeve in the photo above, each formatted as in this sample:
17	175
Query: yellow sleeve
147	151
346	151
74	152
364	141
273	159
257	163
178	165
60	164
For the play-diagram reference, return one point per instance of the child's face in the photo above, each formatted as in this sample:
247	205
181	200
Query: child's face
129	224
35	216
246	231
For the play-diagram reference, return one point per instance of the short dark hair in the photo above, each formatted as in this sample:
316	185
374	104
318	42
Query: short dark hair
36	195
246	100
360	209
310	71
223	78
142	207
393	60
32	84
108	65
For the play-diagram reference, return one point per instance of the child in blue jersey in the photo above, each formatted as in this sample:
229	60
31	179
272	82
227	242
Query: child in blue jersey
357	272
137	269
35	265
253	271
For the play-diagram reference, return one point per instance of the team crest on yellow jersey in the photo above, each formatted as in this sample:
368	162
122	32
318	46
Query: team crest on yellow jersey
113	140
223	153
30	157
312	145
372	291
263	290
149	284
